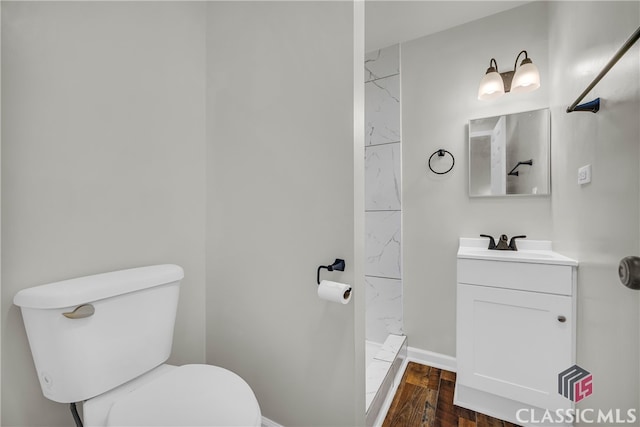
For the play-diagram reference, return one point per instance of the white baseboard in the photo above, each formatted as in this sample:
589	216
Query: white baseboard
425	357
266	422
437	360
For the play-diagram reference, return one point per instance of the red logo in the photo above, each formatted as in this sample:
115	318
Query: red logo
575	383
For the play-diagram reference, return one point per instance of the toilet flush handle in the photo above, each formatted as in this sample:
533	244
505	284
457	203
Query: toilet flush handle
82	311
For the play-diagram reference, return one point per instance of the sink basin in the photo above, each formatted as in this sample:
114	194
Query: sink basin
529	251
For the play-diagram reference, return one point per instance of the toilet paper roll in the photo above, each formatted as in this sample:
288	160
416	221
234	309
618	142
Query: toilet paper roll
334	291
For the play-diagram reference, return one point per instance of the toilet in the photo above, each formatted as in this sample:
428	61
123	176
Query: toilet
103	340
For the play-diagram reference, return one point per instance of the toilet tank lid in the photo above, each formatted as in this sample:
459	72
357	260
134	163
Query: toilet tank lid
82	290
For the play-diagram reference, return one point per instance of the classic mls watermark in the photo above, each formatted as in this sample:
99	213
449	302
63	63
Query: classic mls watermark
528	416
576	383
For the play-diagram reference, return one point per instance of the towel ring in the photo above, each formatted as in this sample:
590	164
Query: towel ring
441	152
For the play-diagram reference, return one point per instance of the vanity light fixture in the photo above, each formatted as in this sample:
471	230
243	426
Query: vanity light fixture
524	78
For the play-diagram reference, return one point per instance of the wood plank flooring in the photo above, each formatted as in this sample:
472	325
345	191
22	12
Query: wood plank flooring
425	399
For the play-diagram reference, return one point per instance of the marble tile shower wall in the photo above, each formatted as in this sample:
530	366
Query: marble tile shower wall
383	204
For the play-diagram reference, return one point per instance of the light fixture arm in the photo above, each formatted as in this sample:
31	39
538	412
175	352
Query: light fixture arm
526	56
493	64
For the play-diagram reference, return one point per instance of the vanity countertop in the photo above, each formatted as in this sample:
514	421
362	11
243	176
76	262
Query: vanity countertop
529	251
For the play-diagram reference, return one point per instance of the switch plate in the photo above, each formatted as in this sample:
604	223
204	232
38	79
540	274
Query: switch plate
584	175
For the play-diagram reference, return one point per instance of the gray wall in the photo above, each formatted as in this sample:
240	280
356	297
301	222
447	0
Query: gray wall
597	223
521	147
107	164
0	220
436	208
103	162
281	202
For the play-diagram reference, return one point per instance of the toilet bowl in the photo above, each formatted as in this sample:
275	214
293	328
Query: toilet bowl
103	340
193	395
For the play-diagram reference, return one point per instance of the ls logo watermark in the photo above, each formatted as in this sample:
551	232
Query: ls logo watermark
575	383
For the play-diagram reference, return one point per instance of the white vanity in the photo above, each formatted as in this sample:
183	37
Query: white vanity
516	328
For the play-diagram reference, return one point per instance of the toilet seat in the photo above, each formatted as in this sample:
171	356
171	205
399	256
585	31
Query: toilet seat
189	395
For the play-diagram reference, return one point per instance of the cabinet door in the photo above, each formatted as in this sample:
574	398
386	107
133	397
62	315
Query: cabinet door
514	343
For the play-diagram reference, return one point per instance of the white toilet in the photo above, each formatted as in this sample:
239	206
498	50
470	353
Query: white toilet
103	339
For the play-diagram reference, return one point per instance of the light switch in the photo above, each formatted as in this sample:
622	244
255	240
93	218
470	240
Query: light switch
584	175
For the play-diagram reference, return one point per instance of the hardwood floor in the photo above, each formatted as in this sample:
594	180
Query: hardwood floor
425	399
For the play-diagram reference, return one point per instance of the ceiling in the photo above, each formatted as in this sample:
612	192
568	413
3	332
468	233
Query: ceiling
389	22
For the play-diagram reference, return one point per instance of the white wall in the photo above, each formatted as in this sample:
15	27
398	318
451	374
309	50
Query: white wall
280	203
103	162
440	77
598	223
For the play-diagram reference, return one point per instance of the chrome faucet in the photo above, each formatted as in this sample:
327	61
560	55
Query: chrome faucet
502	242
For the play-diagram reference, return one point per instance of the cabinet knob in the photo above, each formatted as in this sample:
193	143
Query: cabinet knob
562	319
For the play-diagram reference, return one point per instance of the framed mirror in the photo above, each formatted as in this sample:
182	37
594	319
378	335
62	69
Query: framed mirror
509	155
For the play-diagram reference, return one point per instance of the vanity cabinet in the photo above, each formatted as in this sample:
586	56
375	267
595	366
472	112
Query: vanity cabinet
516	326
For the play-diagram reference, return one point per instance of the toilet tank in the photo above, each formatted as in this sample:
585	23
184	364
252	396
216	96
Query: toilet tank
122	327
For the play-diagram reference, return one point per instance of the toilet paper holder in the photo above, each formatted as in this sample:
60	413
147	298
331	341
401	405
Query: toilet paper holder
338	265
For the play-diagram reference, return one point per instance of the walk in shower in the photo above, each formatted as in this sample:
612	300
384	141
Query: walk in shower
385	342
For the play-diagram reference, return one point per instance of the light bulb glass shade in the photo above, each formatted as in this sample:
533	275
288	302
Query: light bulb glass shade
526	78
491	86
